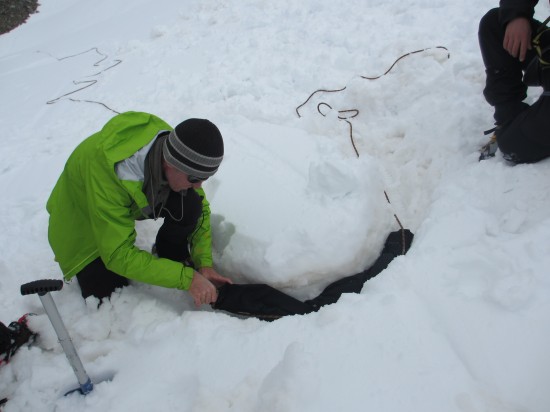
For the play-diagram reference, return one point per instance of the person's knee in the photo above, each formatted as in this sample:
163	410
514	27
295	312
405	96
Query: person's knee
488	22
96	280
490	37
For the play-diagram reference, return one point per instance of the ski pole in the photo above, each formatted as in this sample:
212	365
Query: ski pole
43	289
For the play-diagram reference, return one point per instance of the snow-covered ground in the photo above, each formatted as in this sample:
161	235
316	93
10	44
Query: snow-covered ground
461	323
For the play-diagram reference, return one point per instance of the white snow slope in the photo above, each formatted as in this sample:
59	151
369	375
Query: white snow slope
461	323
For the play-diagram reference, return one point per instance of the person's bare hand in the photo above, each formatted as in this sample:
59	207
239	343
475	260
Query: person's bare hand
202	290
517	38
214	277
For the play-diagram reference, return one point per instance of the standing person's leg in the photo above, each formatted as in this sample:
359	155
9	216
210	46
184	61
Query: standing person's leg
523	131
181	213
527	138
504	86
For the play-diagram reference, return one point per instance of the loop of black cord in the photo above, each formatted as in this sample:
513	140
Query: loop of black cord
340	112
88	83
355	111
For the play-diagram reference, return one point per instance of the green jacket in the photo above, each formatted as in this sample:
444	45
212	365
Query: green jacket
93	212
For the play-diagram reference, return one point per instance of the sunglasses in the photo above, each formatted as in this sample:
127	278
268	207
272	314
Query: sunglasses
195	179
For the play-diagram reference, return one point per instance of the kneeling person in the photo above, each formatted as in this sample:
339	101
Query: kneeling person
137	167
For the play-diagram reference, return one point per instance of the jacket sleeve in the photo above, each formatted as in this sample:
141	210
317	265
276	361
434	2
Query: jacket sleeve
201	238
111	214
510	9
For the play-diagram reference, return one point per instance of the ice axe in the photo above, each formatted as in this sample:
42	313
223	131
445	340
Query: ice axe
43	289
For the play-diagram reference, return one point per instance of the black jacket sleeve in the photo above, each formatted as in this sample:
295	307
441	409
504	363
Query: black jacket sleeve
510	9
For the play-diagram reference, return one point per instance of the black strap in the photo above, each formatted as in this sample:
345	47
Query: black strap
267	303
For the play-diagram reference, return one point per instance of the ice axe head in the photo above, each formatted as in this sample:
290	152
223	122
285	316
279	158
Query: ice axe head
41	287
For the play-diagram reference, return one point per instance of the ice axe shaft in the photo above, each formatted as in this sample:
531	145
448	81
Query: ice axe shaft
43	289
84	381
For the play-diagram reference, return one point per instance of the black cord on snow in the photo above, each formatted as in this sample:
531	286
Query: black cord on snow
87	83
347	114
403	240
342	114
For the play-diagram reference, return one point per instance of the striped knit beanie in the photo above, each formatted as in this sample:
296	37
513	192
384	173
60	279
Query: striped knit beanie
194	147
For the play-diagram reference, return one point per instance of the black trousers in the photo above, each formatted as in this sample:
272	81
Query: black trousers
181	213
524	131
264	302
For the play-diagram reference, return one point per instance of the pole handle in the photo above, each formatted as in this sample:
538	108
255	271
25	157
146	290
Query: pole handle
41	287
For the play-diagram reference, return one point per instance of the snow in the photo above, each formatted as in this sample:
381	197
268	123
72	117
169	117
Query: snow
458	324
